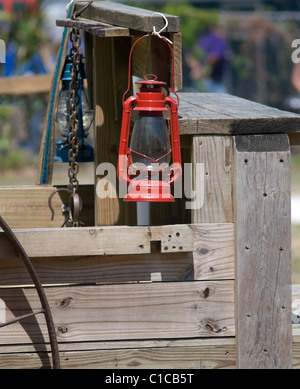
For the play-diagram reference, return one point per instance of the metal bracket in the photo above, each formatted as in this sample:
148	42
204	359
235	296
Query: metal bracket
79	12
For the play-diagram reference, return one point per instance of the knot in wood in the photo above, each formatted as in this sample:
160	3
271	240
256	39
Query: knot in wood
65	302
62	328
212	327
206	292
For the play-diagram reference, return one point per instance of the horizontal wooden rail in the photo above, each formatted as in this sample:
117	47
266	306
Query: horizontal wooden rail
116	240
25	85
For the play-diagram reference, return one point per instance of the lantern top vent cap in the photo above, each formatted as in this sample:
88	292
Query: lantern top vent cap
153	81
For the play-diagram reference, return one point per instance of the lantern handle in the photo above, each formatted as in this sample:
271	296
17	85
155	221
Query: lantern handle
129	66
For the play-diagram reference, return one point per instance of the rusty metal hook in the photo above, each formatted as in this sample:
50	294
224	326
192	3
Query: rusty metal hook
75	207
68	190
75	204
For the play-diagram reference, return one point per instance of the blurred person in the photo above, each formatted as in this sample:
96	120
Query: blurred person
214	46
209	72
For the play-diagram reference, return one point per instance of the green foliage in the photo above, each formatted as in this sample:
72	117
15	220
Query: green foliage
194	21
29	35
26	30
10	156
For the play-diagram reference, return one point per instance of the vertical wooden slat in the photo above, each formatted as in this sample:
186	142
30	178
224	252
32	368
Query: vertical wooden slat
263	256
215	153
110	73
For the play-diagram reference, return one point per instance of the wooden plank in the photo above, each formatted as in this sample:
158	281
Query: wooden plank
79	241
198	357
212	354
128	16
27	206
263	251
203	357
118	344
122	311
215	181
94	27
213	251
117	240
25	85
214	113
211	257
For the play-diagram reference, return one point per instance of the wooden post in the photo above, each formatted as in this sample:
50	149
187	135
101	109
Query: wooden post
111	73
263	251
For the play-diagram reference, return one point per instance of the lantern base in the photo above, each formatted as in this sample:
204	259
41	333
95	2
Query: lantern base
149	191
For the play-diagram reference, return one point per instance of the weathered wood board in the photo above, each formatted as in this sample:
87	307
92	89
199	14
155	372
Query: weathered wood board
214	185
127	16
93	27
215	113
200	252
27	206
263	251
123	311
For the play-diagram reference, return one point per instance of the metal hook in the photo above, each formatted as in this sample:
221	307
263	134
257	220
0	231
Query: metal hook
77	208
51	196
79	12
157	33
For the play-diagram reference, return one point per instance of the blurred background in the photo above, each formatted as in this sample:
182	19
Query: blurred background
239	47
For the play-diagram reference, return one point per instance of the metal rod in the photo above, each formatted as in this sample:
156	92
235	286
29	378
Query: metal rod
48	316
19	318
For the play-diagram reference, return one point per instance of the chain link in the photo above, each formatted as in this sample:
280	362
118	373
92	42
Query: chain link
75	204
74	109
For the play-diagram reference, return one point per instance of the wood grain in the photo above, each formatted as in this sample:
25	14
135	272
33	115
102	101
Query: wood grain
27	206
93	27
214	113
116	240
188	357
263	252
128	16
215	154
123	311
210	256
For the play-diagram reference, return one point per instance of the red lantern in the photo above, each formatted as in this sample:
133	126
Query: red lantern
144	163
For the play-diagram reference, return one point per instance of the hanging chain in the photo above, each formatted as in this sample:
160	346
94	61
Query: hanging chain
75	204
74	109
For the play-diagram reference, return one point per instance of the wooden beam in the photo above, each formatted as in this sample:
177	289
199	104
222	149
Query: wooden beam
116	240
25	85
263	251
94	27
216	113
201	252
128	16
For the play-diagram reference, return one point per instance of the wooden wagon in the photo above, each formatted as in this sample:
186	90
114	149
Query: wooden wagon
199	287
